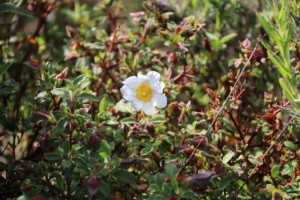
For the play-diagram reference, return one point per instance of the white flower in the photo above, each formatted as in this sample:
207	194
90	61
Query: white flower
145	92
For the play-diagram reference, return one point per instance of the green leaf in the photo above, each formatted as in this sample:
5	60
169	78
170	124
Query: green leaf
289	168
9	125
128	120
125	176
228	157
103	105
287	92
66	163
52	156
3	166
104	189
280	65
225	182
123	106
227	38
290	145
146	151
96	45
211	36
189	194
7	91
11	8
66	147
158	119
79	80
171	170
275	171
262	18
4	67
104	149
87	96
62	92
61	125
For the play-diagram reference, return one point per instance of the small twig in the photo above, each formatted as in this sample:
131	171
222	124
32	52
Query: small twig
222	107
272	145
237	127
267	151
180	75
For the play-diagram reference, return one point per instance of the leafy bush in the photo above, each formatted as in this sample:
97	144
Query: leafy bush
230	71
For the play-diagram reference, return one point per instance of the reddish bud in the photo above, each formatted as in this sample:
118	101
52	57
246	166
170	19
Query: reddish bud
238	62
270	118
71	32
246	43
206	44
167	180
38	198
71	56
26	188
137	16
62	75
94	185
172	58
33	64
150	128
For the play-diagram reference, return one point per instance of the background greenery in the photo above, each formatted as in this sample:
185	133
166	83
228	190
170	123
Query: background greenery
228	132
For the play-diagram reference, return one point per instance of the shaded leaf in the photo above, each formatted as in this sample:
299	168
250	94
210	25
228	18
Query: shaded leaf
104	189
52	156
201	178
11	8
4	67
87	96
125	176
62	92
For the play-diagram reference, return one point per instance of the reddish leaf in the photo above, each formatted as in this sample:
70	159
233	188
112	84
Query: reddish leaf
94	185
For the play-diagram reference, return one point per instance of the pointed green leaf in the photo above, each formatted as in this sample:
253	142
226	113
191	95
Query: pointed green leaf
87	96
227	38
228	157
62	92
4	68
79	80
11	8
52	156
103	105
125	176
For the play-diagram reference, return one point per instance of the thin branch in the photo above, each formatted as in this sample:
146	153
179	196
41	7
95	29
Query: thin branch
272	145
237	127
222	107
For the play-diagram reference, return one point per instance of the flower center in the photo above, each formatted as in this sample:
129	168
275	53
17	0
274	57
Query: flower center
144	93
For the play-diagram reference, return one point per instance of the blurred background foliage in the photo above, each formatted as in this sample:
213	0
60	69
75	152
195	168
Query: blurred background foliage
66	133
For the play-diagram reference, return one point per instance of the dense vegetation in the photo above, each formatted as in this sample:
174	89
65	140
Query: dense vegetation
230	71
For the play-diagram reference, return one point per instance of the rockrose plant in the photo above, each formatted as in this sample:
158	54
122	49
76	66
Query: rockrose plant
152	99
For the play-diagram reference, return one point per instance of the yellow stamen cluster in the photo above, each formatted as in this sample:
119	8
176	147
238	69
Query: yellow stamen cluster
144	93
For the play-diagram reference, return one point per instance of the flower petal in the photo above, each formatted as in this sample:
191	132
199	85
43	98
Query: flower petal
160	100
148	108
127	93
157	86
153	76
142	77
132	82
136	104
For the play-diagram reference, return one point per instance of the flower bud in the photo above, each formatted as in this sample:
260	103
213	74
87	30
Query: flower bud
62	75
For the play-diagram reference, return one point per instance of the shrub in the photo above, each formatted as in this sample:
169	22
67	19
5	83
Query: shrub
230	76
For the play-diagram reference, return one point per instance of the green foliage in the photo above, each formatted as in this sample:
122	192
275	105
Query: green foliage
68	133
